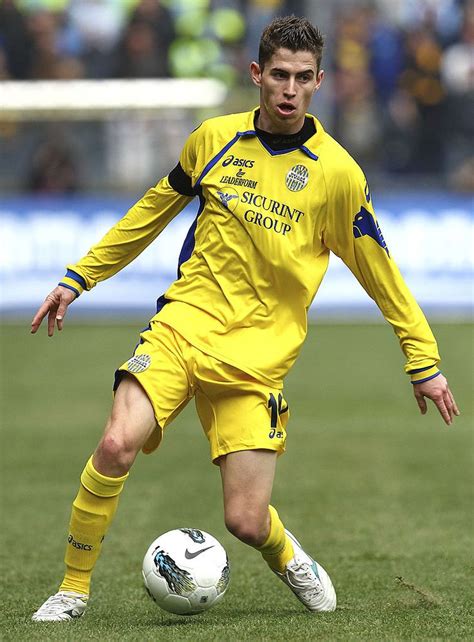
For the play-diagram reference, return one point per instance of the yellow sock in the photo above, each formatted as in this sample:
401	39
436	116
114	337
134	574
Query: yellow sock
277	549
92	513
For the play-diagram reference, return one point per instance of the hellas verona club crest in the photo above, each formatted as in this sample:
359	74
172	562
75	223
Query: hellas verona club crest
297	178
139	363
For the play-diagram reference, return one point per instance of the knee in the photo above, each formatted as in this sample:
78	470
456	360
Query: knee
116	453
247	525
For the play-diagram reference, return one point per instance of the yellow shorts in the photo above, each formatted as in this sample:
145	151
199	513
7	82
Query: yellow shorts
237	412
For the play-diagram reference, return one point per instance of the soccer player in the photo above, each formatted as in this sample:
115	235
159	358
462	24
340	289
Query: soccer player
276	195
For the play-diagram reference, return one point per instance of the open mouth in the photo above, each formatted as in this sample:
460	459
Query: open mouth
286	108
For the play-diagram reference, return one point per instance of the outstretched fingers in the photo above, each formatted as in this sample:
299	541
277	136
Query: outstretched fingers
455	408
54	307
438	391
450	405
421	403
39	316
444	409
52	320
61	313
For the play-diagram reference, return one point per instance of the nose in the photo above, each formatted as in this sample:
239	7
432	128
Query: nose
290	88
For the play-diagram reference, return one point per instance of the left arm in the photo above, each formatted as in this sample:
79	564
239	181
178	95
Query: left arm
352	232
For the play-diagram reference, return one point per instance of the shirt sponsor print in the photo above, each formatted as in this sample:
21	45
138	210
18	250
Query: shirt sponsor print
237	162
232	161
238	180
268	213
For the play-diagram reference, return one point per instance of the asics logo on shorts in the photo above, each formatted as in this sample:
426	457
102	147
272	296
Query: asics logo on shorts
139	363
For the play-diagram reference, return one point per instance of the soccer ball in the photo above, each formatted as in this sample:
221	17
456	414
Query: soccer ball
186	571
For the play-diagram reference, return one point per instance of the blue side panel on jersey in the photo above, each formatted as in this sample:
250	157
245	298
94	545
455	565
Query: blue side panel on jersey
186	251
190	240
161	302
188	245
216	158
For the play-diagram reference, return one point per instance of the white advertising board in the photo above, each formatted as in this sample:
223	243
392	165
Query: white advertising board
430	236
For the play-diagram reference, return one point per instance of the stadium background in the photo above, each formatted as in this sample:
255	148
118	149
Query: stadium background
398	95
384	496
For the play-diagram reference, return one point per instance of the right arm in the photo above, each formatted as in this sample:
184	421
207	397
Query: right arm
128	238
124	241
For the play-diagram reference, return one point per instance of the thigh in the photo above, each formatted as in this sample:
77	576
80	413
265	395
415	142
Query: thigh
130	424
158	366
239	413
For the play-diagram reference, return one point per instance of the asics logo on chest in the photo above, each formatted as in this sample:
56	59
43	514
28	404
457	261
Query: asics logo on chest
237	162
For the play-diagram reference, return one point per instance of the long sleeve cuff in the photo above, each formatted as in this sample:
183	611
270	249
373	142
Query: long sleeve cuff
73	281
424	374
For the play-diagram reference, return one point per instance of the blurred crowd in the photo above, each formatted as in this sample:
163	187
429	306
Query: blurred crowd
404	85
400	72
69	39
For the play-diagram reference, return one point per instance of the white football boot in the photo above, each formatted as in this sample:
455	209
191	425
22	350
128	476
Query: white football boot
308	580
61	607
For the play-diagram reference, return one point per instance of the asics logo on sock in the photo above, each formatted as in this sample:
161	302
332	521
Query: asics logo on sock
79	545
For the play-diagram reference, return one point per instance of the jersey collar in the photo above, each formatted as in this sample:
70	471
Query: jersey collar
249	130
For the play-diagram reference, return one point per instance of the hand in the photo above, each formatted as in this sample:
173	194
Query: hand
438	391
55	306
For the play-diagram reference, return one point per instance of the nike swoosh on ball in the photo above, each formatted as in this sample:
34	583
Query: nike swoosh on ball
190	556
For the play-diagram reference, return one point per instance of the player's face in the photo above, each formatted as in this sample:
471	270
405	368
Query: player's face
287	84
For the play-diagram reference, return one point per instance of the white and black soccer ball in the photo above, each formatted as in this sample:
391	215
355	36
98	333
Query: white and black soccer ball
186	571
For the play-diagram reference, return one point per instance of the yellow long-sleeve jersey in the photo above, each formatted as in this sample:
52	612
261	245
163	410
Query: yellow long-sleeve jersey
259	247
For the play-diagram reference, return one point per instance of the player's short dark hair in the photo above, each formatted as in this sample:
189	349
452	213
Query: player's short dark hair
293	33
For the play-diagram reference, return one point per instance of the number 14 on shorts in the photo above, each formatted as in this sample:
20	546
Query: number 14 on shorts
278	407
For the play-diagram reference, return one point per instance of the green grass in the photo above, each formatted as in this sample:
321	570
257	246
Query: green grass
373	489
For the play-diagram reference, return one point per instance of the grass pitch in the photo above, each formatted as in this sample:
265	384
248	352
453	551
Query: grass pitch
380	495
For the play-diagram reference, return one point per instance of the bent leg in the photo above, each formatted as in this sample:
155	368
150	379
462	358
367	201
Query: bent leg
133	425
247	481
129	425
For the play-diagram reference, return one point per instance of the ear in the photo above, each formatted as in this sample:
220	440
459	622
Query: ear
319	80
255	73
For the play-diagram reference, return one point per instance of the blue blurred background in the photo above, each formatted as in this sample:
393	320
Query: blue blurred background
398	94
